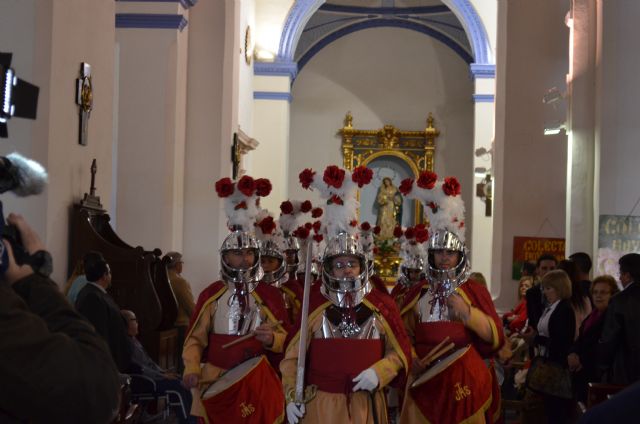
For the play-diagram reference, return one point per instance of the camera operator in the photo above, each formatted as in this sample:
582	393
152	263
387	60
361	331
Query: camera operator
53	365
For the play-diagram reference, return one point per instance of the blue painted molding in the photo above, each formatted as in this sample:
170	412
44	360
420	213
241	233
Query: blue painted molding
150	20
272	95
481	70
483	98
474	28
277	68
297	19
384	10
376	23
186	4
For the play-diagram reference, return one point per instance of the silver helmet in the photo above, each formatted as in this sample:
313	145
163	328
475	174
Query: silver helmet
456	275
344	292
409	266
271	248
251	275
291	250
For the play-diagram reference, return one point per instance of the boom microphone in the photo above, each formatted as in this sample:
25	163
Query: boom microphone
21	175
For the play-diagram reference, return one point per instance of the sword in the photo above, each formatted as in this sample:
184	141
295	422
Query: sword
302	395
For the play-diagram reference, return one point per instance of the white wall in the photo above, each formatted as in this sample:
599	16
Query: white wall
383	76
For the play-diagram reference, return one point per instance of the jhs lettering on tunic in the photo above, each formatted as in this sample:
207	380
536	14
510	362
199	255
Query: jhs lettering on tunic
246	410
461	391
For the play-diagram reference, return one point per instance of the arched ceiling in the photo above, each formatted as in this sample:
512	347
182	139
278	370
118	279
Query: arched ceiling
337	18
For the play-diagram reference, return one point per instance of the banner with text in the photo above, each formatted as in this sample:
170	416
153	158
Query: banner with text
528	249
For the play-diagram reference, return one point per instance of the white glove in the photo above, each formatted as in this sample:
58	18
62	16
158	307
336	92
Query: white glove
366	380
295	412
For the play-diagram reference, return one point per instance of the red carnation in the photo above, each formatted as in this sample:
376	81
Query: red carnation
433	206
263	187
241	205
461	224
308	226
333	176
301	232
376	250
427	180
353	223
224	187
267	225
365	226
397	232
306	206
286	207
451	186
306	177
247	185
406	186
409	233
422	235
420	227
376	230
318	238
316	213
362	176
316	226
335	199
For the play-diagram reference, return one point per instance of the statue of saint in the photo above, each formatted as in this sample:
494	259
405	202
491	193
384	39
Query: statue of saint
389	204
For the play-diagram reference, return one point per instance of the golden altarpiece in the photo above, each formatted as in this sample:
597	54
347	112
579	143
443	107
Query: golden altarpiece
412	150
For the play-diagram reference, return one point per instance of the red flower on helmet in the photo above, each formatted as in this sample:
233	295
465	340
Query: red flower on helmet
286	207
451	186
397	232
318	238
316	213
241	205
427	180
365	226
433	206
263	187
335	199
361	176
333	176
353	223
376	250
247	185
406	186
267	225
308	226
306	177
224	187
409	233
376	230
422	234
301	232
316	226
306	206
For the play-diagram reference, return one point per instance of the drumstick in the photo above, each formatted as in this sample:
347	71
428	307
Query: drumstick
248	336
432	351
438	354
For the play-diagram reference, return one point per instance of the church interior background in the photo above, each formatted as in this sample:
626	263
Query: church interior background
174	81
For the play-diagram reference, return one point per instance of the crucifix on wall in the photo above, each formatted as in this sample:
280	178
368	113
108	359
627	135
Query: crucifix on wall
84	99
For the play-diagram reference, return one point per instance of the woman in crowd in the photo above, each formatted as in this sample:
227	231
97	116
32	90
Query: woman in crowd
579	300
515	319
582	359
556	330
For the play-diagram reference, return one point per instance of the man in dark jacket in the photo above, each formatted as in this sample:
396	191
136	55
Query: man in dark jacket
53	365
619	347
102	311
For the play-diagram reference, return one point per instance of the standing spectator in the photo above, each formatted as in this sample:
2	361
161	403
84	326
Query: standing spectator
101	310
583	265
556	330
184	296
582	359
516	319
535	300
619	347
53	366
528	269
580	302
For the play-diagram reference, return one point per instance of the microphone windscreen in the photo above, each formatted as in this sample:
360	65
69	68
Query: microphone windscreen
32	177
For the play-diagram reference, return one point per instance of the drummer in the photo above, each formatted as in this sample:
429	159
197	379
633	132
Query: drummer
232	307
457	308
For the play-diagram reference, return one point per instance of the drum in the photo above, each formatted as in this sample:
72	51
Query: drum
439	366
248	393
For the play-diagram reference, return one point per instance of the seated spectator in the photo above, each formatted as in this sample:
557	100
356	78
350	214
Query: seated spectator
80	279
101	310
54	368
144	365
582	359
78	270
556	329
516	319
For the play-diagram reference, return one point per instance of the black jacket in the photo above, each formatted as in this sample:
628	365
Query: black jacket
619	347
535	305
562	329
103	312
586	347
54	368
